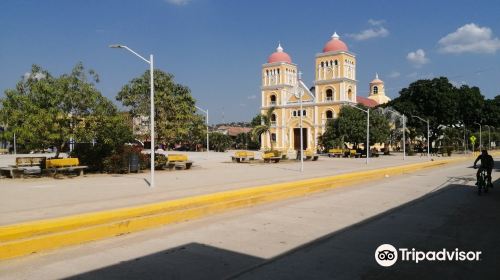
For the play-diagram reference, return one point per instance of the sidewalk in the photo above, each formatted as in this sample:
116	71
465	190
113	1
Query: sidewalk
40	198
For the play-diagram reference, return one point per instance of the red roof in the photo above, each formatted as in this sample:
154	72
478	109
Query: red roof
234	130
335	44
366	101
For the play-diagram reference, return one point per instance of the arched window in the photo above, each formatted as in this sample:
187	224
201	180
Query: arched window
273	120
329	95
294	113
329	114
349	94
322	64
273	100
375	89
336	62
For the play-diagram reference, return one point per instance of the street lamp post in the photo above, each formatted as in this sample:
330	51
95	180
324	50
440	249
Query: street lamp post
15	145
404	128
480	136
152	112
367	148
300	94
428	134
208	141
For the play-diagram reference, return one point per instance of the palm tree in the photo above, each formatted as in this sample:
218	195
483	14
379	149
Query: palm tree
264	127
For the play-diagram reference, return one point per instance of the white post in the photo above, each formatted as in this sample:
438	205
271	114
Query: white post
15	148
480	138
489	139
152	122
404	139
152	105
208	141
465	142
301	94
428	141
367	134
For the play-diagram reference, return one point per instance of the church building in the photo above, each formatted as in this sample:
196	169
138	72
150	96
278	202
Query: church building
335	85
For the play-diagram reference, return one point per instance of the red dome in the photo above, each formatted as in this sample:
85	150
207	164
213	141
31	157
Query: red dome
335	44
279	56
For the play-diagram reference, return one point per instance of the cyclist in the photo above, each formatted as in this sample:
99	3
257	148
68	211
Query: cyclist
486	164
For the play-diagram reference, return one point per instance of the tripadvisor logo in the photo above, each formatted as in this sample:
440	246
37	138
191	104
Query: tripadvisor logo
387	255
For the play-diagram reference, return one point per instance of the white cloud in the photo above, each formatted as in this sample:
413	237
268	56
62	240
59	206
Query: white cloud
376	31
394	74
375	22
36	76
178	2
250	97
417	58
470	38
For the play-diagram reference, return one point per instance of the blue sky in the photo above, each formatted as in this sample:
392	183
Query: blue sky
217	47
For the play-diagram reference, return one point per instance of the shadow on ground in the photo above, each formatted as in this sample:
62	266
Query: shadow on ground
451	217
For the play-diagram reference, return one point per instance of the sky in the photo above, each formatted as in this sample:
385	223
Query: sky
217	47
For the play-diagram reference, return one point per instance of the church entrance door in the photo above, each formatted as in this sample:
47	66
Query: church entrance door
296	138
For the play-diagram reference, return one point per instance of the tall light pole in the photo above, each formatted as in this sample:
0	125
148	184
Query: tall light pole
367	148
208	141
404	128
428	134
489	136
15	145
480	136
152	113
300	94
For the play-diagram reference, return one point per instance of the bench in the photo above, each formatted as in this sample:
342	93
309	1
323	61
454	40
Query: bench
242	156
310	155
335	153
64	165
353	153
25	165
271	157
178	161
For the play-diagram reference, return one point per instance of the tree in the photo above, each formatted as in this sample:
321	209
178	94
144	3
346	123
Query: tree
256	120
491	112
435	100
174	106
46	111
264	127
350	126
220	142
380	128
245	141
470	105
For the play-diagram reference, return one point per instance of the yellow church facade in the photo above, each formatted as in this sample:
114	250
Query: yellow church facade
335	85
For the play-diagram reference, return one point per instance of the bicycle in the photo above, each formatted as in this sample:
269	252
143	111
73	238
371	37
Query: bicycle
482	182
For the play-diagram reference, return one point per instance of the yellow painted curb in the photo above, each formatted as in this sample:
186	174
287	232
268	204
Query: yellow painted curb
30	237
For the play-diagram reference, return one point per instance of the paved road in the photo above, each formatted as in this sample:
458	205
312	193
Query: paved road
330	235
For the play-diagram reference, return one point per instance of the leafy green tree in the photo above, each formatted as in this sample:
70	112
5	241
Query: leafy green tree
245	141
470	105
46	111
256	120
435	100
350	126
220	142
380	128
264	127
491	112
174	106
